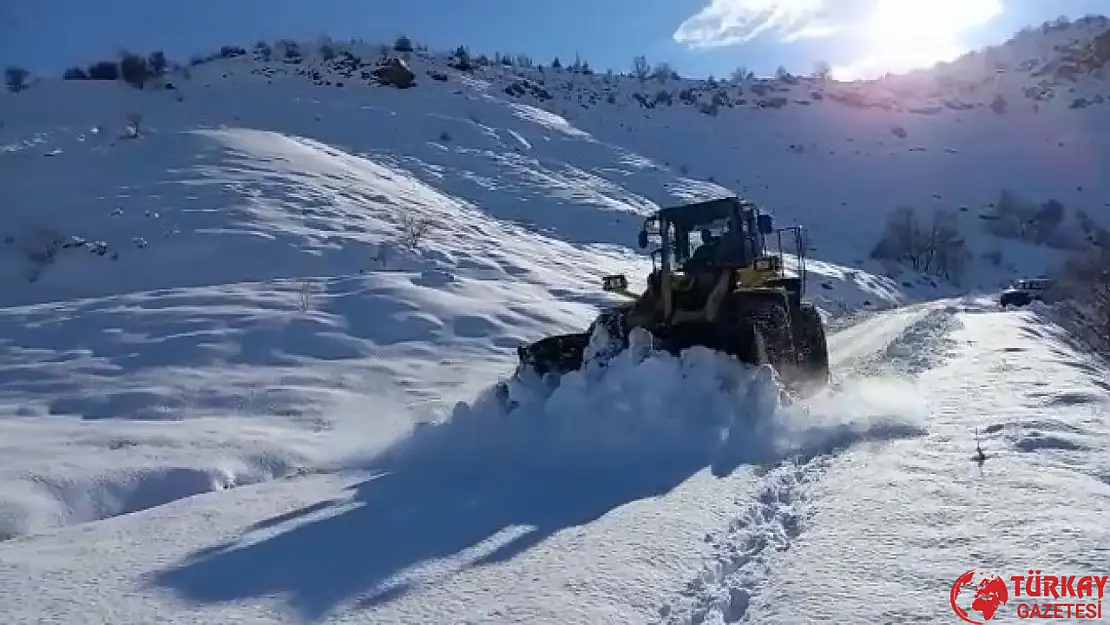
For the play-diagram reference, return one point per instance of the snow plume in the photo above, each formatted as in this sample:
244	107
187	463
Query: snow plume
858	410
644	408
636	406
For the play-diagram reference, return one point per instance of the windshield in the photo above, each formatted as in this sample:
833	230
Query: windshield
703	237
1032	285
710	239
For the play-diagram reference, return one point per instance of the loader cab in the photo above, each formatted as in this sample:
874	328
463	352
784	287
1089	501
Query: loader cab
728	233
699	242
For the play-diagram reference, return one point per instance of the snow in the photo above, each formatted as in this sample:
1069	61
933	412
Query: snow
594	513
557	517
903	519
250	355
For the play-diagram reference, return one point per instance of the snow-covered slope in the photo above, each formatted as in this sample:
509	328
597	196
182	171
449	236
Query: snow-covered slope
287	266
595	515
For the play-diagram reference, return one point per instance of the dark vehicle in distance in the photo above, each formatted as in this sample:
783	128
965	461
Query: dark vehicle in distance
1024	292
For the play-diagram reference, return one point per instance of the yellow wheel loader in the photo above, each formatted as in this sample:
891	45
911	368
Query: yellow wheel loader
714	284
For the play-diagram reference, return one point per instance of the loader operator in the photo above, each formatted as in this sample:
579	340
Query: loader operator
704	255
726	250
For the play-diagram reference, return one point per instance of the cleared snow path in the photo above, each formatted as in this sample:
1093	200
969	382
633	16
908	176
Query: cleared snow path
871	402
901	520
874	333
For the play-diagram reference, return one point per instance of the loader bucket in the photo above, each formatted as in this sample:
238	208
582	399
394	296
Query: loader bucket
555	354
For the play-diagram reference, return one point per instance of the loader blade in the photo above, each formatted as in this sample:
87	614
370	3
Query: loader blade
541	365
555	354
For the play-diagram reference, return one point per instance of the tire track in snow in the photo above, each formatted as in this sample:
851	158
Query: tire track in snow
742	555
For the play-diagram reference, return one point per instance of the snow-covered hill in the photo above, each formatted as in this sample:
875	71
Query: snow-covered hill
261	272
582	513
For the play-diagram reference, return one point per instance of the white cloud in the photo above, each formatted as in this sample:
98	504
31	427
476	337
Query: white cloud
898	33
815	30
728	22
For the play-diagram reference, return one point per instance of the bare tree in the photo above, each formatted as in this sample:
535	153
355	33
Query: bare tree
938	249
305	292
1082	294
662	71
16	78
741	74
822	70
414	230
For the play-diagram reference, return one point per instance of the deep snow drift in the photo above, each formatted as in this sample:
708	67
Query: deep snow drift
594	501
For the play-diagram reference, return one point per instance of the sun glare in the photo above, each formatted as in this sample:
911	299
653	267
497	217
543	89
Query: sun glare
902	35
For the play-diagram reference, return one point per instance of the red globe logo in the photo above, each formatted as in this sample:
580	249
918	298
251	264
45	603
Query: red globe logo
990	593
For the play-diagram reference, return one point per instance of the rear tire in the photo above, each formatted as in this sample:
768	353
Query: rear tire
813	348
772	321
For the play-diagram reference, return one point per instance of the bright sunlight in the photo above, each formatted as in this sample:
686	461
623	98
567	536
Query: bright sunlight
904	35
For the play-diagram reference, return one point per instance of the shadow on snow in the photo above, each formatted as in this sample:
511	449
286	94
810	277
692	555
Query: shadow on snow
485	486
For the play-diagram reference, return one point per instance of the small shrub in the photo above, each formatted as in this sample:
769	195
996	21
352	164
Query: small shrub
383	254
414	230
305	293
822	70
741	74
292	50
157	63
75	73
403	44
16	78
134	70
461	60
230	52
263	50
663	72
1015	217
104	70
41	250
132	127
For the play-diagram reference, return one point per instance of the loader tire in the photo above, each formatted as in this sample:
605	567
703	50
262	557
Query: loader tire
813	348
772	319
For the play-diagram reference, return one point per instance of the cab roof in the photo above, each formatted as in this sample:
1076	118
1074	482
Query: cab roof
699	212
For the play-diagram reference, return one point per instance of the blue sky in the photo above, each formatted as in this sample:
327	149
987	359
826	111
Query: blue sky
697	37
